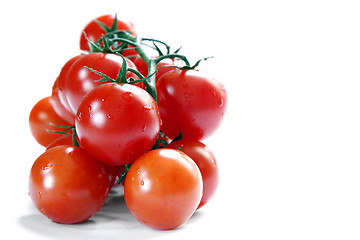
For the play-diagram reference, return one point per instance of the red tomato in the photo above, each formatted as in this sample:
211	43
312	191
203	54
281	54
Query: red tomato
62	84
59	108
163	188
80	80
94	31
143	68
67	185
205	160
40	116
190	102
116	123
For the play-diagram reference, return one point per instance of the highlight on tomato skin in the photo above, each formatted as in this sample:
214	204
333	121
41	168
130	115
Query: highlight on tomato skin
61	85
59	108
163	188
67	185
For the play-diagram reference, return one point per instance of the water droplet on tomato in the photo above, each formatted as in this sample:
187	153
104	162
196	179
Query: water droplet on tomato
127	96
108	116
40	194
66	194
221	102
143	128
142	183
89	109
47	167
148	108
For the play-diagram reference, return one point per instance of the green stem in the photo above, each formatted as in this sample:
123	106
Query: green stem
122	177
151	63
74	140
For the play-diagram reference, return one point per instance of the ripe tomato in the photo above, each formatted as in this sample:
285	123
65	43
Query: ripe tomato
163	188
94	32
116	123
143	68
40	116
59	108
191	102
205	160
81	80
61	84
67	185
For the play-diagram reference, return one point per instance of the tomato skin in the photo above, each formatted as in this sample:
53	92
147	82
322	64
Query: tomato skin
192	102
143	68
40	116
67	185
80	80
59	108
61	84
94	31
206	161
62	140
163	188
116	123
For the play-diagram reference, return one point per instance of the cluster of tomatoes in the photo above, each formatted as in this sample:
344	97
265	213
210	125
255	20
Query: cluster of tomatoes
118	116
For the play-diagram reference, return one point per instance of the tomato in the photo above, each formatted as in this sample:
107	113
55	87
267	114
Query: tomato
191	102
94	31
40	116
67	185
163	188
81	80
142	67
205	160
116	123
59	108
61	84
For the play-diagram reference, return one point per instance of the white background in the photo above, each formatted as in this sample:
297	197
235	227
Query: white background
289	145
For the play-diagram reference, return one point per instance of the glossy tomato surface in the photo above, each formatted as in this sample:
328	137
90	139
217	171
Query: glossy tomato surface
191	102
116	123
61	83
67	185
81	80
41	115
163	188
94	31
60	108
205	160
